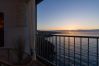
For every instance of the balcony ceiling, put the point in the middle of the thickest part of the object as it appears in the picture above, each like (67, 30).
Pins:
(38, 1)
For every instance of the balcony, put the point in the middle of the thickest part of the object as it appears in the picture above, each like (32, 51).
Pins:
(56, 50)
(65, 50)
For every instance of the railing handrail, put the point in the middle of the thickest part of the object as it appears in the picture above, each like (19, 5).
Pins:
(75, 36)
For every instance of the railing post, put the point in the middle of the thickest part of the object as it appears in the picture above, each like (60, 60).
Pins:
(88, 51)
(68, 51)
(59, 48)
(80, 51)
(64, 51)
(97, 52)
(74, 51)
(56, 49)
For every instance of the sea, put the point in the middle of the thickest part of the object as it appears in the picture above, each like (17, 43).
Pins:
(85, 53)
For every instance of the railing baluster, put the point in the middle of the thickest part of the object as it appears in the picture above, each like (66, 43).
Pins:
(97, 52)
(68, 51)
(88, 51)
(74, 51)
(37, 45)
(56, 49)
(59, 48)
(48, 48)
(64, 51)
(53, 45)
(40, 46)
(80, 51)
(44, 45)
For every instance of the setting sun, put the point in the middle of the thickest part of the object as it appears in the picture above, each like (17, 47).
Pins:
(72, 27)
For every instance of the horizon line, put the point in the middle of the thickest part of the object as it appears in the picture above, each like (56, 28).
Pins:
(67, 29)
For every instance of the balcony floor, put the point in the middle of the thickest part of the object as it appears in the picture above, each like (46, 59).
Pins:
(34, 63)
(38, 63)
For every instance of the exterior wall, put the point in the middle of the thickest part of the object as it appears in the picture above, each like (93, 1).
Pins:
(8, 7)
(19, 23)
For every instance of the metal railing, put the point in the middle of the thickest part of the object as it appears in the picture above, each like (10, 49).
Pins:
(65, 50)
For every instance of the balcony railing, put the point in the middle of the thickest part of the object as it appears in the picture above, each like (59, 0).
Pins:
(64, 50)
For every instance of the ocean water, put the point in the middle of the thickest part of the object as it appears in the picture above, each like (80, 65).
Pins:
(81, 55)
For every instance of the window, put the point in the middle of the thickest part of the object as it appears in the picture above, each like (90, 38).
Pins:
(1, 29)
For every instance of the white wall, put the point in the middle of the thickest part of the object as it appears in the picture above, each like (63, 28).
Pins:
(8, 7)
(19, 23)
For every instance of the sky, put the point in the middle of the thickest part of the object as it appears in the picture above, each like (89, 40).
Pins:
(68, 15)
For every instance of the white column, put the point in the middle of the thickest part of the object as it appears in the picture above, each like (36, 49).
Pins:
(32, 26)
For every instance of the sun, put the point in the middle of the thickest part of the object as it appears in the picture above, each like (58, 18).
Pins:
(72, 27)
